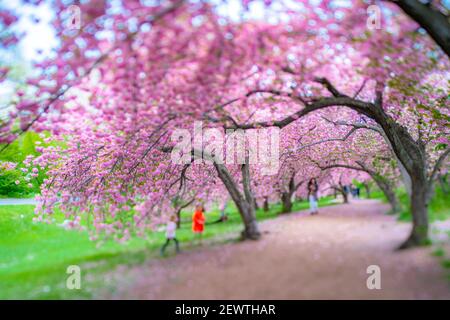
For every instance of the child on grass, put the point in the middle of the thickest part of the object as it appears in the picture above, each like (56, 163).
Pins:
(171, 228)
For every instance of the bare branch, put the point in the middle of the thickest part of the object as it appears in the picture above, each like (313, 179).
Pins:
(360, 89)
(357, 125)
(322, 141)
(279, 93)
(437, 166)
(327, 84)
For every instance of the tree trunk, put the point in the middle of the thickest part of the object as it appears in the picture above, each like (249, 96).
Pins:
(443, 183)
(392, 198)
(245, 203)
(251, 230)
(367, 188)
(266, 204)
(403, 172)
(405, 177)
(251, 227)
(178, 218)
(255, 204)
(344, 196)
(419, 211)
(433, 21)
(286, 200)
(389, 192)
(393, 202)
(412, 155)
(286, 197)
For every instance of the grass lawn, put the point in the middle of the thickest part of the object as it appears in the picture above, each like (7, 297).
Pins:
(34, 256)
(438, 209)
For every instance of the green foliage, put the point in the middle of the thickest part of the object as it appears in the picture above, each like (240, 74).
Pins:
(22, 147)
(16, 152)
(438, 209)
(375, 193)
(440, 146)
(446, 264)
(434, 112)
(8, 187)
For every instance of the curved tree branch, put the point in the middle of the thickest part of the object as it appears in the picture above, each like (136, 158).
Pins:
(433, 21)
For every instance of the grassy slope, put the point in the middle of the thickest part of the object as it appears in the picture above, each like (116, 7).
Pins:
(34, 257)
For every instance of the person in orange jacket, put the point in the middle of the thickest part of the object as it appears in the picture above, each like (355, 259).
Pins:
(198, 221)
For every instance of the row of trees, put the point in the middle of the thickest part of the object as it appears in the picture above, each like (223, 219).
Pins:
(351, 102)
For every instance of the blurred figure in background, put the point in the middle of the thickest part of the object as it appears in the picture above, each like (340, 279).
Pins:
(223, 214)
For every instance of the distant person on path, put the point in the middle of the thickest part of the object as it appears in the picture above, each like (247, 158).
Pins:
(171, 228)
(198, 221)
(346, 189)
(223, 207)
(313, 189)
(223, 216)
(353, 191)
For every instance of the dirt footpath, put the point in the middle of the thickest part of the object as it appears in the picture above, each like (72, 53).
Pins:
(299, 257)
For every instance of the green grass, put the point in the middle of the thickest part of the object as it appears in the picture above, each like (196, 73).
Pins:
(442, 256)
(444, 260)
(438, 209)
(438, 252)
(446, 264)
(34, 256)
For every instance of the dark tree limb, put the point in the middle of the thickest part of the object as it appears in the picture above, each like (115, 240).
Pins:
(433, 21)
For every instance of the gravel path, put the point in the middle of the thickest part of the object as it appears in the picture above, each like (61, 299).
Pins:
(299, 257)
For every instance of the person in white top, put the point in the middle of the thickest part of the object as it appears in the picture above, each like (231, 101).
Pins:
(171, 228)
(313, 195)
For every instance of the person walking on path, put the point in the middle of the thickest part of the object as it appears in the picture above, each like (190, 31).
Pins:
(223, 215)
(313, 189)
(171, 228)
(198, 222)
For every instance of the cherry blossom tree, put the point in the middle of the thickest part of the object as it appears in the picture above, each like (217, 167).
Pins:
(365, 153)
(118, 87)
(394, 87)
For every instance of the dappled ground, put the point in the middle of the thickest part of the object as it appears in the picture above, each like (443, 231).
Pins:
(299, 257)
